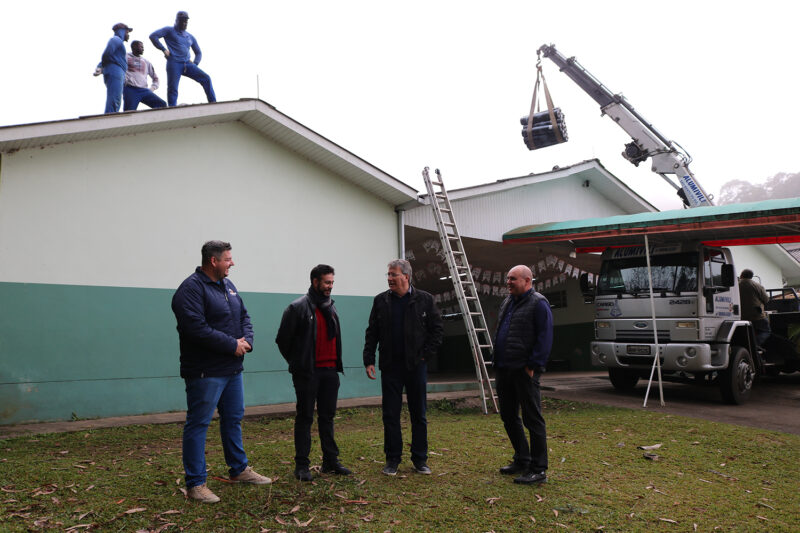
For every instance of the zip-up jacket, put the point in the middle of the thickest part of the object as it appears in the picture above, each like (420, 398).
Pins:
(211, 317)
(297, 336)
(529, 337)
(422, 328)
(115, 53)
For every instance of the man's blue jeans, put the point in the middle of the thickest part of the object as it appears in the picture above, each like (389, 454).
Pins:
(203, 395)
(176, 69)
(415, 381)
(134, 95)
(114, 78)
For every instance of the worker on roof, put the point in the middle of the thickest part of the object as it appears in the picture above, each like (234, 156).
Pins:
(113, 65)
(179, 63)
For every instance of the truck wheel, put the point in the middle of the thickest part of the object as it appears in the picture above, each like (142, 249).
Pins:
(737, 379)
(623, 378)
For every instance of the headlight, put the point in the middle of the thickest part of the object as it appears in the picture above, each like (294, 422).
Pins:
(602, 324)
(690, 325)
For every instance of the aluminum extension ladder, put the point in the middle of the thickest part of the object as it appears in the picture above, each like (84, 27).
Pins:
(480, 339)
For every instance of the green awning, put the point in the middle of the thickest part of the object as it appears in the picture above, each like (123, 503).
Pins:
(767, 222)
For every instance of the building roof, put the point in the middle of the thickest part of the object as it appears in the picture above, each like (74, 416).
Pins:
(592, 170)
(756, 223)
(256, 114)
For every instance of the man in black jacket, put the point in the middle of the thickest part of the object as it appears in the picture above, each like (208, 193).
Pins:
(309, 338)
(407, 327)
(522, 346)
(215, 332)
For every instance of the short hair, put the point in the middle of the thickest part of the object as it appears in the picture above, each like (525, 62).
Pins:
(403, 265)
(134, 42)
(747, 273)
(321, 270)
(213, 249)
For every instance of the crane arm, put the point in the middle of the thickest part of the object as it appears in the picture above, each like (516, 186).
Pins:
(667, 157)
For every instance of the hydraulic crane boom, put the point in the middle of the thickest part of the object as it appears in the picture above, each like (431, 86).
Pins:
(667, 156)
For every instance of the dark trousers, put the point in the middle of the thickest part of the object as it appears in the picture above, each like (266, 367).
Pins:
(516, 390)
(415, 381)
(176, 69)
(131, 96)
(320, 388)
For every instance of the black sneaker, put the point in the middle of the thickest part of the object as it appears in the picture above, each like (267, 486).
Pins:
(531, 478)
(390, 469)
(303, 474)
(513, 468)
(422, 468)
(335, 468)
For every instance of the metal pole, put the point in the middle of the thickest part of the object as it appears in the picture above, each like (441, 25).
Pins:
(656, 360)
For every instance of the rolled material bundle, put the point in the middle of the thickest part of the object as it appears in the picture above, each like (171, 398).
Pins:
(543, 133)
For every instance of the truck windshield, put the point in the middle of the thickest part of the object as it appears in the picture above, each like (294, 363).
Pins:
(675, 273)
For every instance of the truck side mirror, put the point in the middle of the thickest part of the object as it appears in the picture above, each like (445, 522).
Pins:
(727, 275)
(586, 288)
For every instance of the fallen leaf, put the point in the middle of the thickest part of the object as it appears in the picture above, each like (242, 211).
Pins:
(172, 511)
(357, 502)
(90, 487)
(762, 517)
(135, 510)
(368, 518)
(651, 447)
(532, 519)
(762, 504)
(555, 512)
(538, 498)
(294, 509)
(282, 522)
(671, 521)
(78, 526)
(493, 499)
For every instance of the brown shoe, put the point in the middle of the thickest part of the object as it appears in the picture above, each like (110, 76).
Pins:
(249, 475)
(202, 494)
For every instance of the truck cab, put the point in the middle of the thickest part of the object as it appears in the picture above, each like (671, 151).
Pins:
(700, 336)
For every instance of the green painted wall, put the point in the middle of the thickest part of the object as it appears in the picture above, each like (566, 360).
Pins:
(110, 351)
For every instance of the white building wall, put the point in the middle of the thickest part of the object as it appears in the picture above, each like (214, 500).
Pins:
(490, 215)
(221, 181)
(765, 271)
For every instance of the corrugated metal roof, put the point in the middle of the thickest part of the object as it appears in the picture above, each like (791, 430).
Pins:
(771, 219)
(256, 114)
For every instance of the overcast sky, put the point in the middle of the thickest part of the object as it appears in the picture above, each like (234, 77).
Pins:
(409, 84)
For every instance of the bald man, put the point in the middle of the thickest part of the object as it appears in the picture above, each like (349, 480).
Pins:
(522, 346)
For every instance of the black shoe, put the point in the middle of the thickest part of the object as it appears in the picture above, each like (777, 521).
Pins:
(513, 468)
(335, 468)
(390, 469)
(422, 468)
(303, 474)
(531, 478)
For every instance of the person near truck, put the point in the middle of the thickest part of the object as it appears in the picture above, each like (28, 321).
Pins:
(753, 298)
(523, 340)
(310, 340)
(179, 63)
(215, 333)
(406, 327)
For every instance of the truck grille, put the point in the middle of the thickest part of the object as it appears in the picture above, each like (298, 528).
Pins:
(642, 336)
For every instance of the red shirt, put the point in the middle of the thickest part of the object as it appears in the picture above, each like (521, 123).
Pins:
(325, 350)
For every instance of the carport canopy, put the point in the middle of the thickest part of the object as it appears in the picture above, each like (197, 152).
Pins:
(756, 223)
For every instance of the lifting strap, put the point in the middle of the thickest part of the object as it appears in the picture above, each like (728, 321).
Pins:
(535, 105)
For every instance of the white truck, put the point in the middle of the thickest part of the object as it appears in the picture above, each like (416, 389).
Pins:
(700, 334)
(701, 337)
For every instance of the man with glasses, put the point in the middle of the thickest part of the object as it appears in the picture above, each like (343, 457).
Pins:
(406, 328)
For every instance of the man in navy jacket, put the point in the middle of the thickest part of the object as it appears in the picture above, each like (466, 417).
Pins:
(522, 346)
(215, 332)
(179, 42)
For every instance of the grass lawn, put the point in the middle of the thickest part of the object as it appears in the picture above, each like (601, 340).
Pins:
(707, 476)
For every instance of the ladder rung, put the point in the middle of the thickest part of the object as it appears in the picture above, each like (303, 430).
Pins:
(439, 183)
(480, 329)
(484, 346)
(449, 224)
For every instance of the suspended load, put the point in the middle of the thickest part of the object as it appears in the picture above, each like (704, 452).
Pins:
(543, 133)
(543, 128)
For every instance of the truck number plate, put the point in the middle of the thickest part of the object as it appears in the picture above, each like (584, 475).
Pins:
(638, 349)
